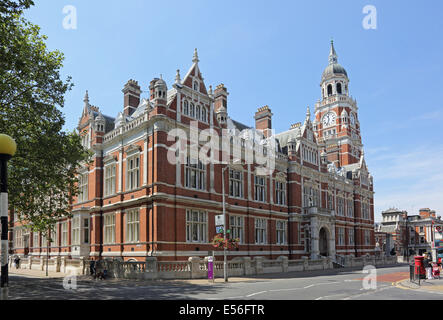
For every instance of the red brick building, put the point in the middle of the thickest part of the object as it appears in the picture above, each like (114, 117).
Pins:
(135, 203)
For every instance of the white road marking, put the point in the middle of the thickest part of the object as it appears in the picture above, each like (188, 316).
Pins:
(254, 294)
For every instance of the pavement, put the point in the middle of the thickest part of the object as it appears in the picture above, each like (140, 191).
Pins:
(426, 285)
(36, 273)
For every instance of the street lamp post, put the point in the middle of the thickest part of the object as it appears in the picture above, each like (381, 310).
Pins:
(7, 150)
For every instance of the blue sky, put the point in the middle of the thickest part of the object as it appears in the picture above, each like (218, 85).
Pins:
(273, 53)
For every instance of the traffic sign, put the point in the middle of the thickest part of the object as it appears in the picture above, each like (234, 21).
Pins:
(219, 221)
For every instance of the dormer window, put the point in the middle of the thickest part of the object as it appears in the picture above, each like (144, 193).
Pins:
(196, 86)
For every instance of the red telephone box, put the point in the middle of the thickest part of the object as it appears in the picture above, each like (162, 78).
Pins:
(419, 267)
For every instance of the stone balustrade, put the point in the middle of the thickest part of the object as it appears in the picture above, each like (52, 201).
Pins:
(197, 268)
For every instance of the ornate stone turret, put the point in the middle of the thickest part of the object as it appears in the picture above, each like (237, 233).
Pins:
(159, 91)
(100, 123)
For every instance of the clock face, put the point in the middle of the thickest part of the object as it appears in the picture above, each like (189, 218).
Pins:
(329, 119)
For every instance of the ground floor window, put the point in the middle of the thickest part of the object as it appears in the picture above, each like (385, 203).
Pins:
(109, 226)
(132, 226)
(196, 226)
(64, 238)
(236, 227)
(260, 231)
(281, 232)
(367, 237)
(341, 236)
(351, 236)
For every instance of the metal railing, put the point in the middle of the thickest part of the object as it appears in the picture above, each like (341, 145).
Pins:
(415, 273)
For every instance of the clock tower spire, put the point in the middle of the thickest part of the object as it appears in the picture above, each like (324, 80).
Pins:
(336, 119)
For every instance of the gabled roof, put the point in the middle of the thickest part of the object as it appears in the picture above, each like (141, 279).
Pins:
(194, 72)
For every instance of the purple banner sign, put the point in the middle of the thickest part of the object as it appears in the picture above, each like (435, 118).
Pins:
(210, 268)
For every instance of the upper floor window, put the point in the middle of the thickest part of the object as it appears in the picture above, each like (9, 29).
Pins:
(350, 208)
(330, 201)
(196, 86)
(235, 183)
(204, 115)
(195, 174)
(260, 194)
(365, 210)
(280, 192)
(86, 141)
(340, 206)
(83, 187)
(110, 171)
(185, 107)
(311, 197)
(133, 170)
(197, 112)
(192, 110)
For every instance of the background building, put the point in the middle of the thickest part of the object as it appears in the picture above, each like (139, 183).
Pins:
(410, 234)
(135, 203)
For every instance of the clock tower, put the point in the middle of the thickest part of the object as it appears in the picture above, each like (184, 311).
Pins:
(336, 122)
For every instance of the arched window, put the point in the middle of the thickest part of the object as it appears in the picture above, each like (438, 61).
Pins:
(339, 88)
(204, 114)
(197, 112)
(185, 107)
(196, 86)
(329, 90)
(192, 111)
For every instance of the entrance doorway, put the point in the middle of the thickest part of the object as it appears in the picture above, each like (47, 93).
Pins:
(323, 242)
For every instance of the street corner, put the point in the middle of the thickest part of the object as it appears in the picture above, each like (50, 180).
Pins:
(406, 284)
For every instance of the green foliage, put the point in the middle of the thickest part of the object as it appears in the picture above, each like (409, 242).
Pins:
(42, 173)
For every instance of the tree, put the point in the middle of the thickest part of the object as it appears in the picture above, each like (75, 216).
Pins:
(42, 181)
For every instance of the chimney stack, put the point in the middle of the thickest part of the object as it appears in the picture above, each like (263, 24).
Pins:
(263, 120)
(220, 97)
(131, 92)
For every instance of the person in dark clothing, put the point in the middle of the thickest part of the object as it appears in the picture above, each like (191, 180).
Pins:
(92, 268)
(17, 262)
(427, 265)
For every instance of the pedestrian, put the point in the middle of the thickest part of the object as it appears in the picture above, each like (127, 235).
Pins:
(428, 267)
(17, 262)
(92, 269)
